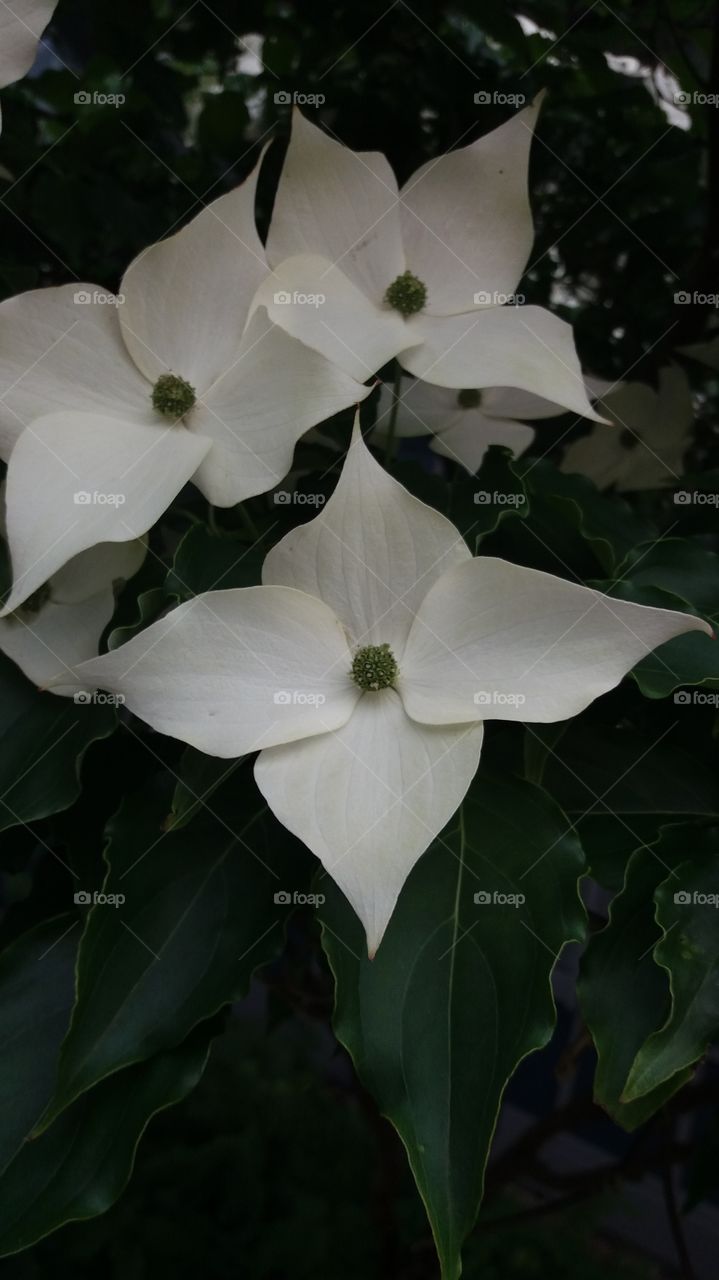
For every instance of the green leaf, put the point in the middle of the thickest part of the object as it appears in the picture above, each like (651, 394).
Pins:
(150, 605)
(207, 561)
(198, 777)
(620, 770)
(43, 738)
(195, 916)
(459, 993)
(691, 659)
(678, 566)
(79, 1166)
(605, 521)
(623, 993)
(687, 912)
(37, 989)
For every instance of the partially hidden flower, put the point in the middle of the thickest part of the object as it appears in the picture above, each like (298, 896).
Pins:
(364, 272)
(647, 434)
(21, 26)
(362, 670)
(463, 423)
(109, 405)
(62, 623)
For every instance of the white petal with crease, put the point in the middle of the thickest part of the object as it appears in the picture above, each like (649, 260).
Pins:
(466, 220)
(339, 203)
(232, 671)
(275, 390)
(370, 798)
(76, 479)
(493, 640)
(372, 553)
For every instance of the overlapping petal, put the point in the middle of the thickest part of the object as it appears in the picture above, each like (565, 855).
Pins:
(274, 390)
(21, 26)
(76, 479)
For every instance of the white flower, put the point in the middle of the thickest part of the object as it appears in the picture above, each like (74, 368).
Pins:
(463, 423)
(705, 352)
(647, 435)
(420, 273)
(362, 670)
(22, 23)
(61, 625)
(125, 401)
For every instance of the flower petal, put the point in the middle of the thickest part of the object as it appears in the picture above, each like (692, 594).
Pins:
(187, 298)
(76, 479)
(524, 347)
(493, 640)
(370, 798)
(423, 409)
(317, 303)
(339, 203)
(371, 554)
(469, 435)
(47, 645)
(466, 220)
(510, 402)
(233, 671)
(91, 570)
(276, 389)
(21, 26)
(60, 353)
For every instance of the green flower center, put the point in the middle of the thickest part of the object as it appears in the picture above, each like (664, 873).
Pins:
(468, 399)
(374, 667)
(172, 396)
(406, 294)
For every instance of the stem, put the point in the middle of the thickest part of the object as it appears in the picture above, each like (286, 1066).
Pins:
(247, 521)
(391, 429)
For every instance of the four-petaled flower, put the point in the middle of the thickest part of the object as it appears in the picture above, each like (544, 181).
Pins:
(168, 382)
(423, 273)
(363, 668)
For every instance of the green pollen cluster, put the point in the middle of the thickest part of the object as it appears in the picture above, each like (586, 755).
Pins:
(374, 667)
(406, 294)
(468, 399)
(172, 396)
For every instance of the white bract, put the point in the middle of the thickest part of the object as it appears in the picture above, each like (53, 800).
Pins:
(22, 23)
(108, 407)
(647, 434)
(363, 668)
(464, 423)
(422, 273)
(61, 625)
